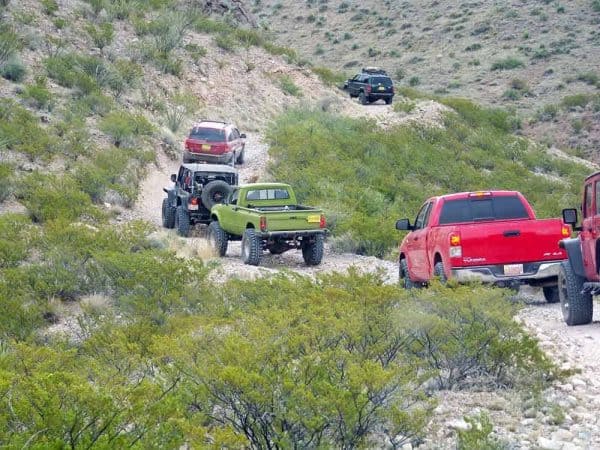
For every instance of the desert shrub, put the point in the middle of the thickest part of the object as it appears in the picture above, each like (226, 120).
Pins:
(16, 235)
(473, 47)
(589, 78)
(50, 7)
(180, 106)
(50, 197)
(6, 181)
(37, 95)
(479, 435)
(196, 51)
(92, 103)
(507, 64)
(328, 76)
(225, 42)
(596, 5)
(102, 35)
(288, 86)
(20, 131)
(512, 94)
(125, 128)
(414, 81)
(9, 43)
(74, 136)
(404, 106)
(13, 69)
(547, 113)
(574, 101)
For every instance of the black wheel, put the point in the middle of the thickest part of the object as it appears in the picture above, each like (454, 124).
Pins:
(312, 252)
(240, 157)
(577, 308)
(407, 283)
(168, 214)
(217, 238)
(363, 98)
(551, 294)
(182, 222)
(438, 271)
(214, 192)
(251, 250)
(388, 101)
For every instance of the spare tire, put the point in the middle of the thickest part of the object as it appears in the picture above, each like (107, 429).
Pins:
(214, 192)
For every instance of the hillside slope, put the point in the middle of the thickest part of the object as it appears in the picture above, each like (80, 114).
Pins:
(528, 55)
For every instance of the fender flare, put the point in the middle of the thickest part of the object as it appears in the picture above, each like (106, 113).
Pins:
(573, 248)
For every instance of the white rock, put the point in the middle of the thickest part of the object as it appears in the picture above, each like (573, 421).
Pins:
(562, 435)
(567, 387)
(458, 424)
(577, 383)
(549, 444)
(571, 446)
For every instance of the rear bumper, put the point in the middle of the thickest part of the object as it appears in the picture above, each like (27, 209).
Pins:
(535, 274)
(208, 157)
(291, 235)
(377, 95)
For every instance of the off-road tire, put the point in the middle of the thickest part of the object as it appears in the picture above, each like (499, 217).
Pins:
(214, 192)
(240, 158)
(438, 271)
(251, 250)
(312, 252)
(577, 308)
(363, 98)
(168, 214)
(388, 101)
(218, 238)
(551, 294)
(405, 280)
(182, 222)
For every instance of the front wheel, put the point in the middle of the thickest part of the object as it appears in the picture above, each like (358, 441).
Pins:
(363, 98)
(577, 307)
(407, 283)
(168, 214)
(182, 222)
(551, 294)
(313, 252)
(217, 238)
(251, 250)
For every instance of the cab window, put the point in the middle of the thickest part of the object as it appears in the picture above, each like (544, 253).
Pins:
(588, 201)
(423, 216)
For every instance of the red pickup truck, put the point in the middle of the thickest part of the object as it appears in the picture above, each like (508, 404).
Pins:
(490, 236)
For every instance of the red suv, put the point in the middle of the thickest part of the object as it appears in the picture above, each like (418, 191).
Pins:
(214, 142)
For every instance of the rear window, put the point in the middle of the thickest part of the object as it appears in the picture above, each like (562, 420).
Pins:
(381, 80)
(208, 134)
(473, 210)
(267, 194)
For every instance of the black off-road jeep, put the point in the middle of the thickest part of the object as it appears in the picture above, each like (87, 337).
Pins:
(370, 85)
(197, 188)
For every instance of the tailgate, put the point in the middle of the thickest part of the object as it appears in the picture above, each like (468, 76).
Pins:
(293, 220)
(513, 241)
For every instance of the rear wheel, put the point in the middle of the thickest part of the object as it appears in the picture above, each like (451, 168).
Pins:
(217, 238)
(168, 214)
(577, 308)
(405, 280)
(551, 294)
(388, 101)
(312, 252)
(251, 250)
(182, 222)
(240, 157)
(438, 271)
(363, 98)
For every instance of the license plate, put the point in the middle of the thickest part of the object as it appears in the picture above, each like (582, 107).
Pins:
(206, 147)
(314, 218)
(513, 269)
(381, 88)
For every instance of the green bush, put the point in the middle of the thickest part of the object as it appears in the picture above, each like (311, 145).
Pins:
(125, 128)
(225, 42)
(101, 35)
(328, 76)
(37, 95)
(50, 197)
(6, 180)
(596, 5)
(13, 69)
(288, 86)
(574, 101)
(50, 7)
(589, 78)
(479, 435)
(507, 64)
(9, 43)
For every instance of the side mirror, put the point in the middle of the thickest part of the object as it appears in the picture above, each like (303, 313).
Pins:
(570, 216)
(173, 177)
(404, 225)
(243, 135)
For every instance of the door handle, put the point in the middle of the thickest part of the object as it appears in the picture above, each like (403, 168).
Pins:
(512, 233)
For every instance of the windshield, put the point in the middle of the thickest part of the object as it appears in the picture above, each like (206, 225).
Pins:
(471, 210)
(208, 134)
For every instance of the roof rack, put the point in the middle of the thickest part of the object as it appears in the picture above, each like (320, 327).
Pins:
(374, 70)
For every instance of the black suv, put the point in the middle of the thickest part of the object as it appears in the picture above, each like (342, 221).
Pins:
(198, 187)
(370, 85)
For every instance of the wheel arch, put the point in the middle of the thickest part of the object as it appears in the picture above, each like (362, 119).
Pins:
(573, 248)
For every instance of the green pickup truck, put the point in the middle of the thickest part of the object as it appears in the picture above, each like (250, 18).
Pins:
(266, 216)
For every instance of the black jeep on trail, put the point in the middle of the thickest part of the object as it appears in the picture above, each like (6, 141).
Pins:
(370, 85)
(197, 188)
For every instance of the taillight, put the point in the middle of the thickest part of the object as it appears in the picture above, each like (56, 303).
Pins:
(322, 223)
(194, 201)
(263, 223)
(368, 88)
(455, 247)
(565, 231)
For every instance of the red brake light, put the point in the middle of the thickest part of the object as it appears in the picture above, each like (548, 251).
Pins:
(194, 201)
(480, 194)
(322, 222)
(263, 223)
(368, 88)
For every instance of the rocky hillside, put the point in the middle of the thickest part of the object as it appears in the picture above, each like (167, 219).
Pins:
(539, 58)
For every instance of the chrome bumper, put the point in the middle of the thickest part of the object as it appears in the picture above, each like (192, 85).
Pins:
(486, 275)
